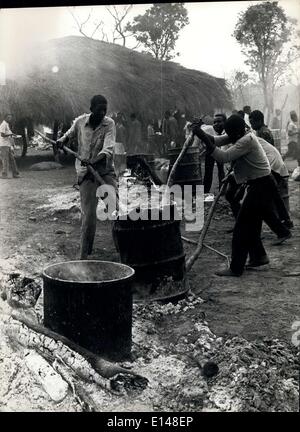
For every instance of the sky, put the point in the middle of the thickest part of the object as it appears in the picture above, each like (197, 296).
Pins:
(205, 44)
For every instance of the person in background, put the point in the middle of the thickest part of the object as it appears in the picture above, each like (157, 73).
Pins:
(281, 175)
(7, 148)
(180, 118)
(169, 129)
(242, 115)
(293, 136)
(156, 126)
(134, 135)
(250, 166)
(257, 122)
(276, 122)
(151, 137)
(121, 131)
(247, 112)
(235, 193)
(216, 129)
(96, 136)
(173, 129)
(187, 128)
(208, 119)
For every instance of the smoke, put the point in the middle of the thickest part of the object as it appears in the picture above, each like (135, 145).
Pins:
(22, 29)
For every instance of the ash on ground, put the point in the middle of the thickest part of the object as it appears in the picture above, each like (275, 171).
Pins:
(251, 376)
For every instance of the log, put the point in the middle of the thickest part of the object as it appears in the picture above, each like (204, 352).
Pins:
(22, 335)
(50, 380)
(105, 368)
(80, 395)
(86, 364)
(70, 377)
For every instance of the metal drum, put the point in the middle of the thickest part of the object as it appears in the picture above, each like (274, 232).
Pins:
(189, 169)
(154, 249)
(90, 302)
(134, 158)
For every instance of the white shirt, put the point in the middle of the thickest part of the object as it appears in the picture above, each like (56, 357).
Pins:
(5, 141)
(292, 129)
(246, 119)
(92, 143)
(274, 158)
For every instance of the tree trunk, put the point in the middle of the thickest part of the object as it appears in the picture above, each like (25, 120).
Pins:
(269, 102)
(242, 95)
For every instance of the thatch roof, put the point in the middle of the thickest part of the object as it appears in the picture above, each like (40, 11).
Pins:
(131, 81)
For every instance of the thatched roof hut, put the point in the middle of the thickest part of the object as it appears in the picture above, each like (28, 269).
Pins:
(63, 74)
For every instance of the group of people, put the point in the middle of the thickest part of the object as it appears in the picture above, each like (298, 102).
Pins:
(129, 133)
(256, 187)
(256, 184)
(170, 129)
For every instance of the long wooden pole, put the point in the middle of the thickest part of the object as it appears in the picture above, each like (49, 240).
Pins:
(195, 255)
(68, 150)
(185, 146)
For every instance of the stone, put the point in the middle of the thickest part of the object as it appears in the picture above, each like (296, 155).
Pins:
(59, 231)
(45, 166)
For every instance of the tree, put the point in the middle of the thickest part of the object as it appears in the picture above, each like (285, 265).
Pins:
(119, 15)
(264, 32)
(93, 27)
(294, 71)
(87, 29)
(158, 29)
(237, 85)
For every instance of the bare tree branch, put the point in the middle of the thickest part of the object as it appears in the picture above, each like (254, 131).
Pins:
(98, 25)
(79, 25)
(101, 23)
(119, 17)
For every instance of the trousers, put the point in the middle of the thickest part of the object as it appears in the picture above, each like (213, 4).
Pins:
(8, 161)
(281, 203)
(234, 194)
(258, 206)
(89, 200)
(208, 173)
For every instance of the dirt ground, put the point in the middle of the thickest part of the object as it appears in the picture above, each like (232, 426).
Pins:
(219, 320)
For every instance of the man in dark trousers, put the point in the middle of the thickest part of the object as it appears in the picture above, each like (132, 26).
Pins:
(252, 166)
(216, 129)
(96, 136)
(257, 122)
